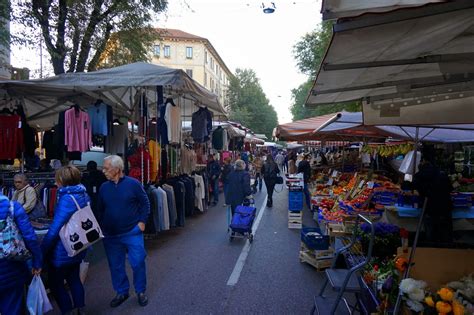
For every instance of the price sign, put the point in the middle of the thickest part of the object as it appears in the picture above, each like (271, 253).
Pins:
(330, 182)
(370, 185)
(334, 173)
(362, 182)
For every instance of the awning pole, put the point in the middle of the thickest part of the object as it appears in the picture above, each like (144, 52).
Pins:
(417, 140)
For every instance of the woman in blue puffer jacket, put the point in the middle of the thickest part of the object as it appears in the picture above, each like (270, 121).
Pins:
(61, 266)
(14, 274)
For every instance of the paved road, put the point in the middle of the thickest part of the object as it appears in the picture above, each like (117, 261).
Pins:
(188, 269)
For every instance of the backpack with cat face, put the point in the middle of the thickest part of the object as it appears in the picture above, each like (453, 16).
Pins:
(81, 231)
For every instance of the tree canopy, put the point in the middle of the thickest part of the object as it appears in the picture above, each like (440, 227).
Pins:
(76, 33)
(249, 104)
(309, 53)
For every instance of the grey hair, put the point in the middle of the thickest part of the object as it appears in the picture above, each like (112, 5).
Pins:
(239, 165)
(21, 176)
(115, 161)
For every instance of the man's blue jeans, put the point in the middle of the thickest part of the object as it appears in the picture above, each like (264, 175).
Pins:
(307, 196)
(116, 248)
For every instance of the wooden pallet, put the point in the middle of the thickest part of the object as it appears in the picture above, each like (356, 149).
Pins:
(319, 264)
(295, 220)
(318, 254)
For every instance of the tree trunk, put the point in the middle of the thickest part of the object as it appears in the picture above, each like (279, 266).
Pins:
(95, 60)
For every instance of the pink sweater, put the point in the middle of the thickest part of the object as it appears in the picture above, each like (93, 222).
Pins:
(77, 130)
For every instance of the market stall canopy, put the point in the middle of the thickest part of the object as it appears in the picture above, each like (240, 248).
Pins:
(253, 139)
(44, 98)
(261, 136)
(345, 123)
(334, 9)
(410, 66)
(292, 146)
(270, 144)
(301, 129)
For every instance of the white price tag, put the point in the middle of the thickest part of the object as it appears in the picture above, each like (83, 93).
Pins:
(330, 181)
(362, 182)
(94, 189)
(334, 173)
(370, 185)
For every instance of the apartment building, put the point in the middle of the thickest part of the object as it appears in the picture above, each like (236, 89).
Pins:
(195, 55)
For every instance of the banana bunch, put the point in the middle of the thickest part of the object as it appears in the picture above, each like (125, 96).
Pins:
(387, 151)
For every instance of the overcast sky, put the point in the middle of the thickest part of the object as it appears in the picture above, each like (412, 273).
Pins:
(244, 37)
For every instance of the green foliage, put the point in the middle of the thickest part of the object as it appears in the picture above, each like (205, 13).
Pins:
(309, 53)
(76, 33)
(248, 103)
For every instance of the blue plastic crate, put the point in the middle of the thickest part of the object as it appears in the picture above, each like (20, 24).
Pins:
(313, 238)
(295, 201)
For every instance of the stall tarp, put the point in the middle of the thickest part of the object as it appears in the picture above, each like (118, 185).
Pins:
(301, 129)
(346, 123)
(233, 131)
(334, 9)
(406, 65)
(253, 139)
(119, 86)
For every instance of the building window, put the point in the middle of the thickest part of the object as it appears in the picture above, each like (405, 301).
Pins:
(189, 72)
(167, 51)
(156, 50)
(189, 53)
(205, 79)
(205, 57)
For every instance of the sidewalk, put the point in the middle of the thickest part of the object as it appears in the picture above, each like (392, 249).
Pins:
(188, 269)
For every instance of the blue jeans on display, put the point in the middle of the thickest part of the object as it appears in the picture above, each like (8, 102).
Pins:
(11, 300)
(307, 196)
(116, 248)
(215, 190)
(70, 273)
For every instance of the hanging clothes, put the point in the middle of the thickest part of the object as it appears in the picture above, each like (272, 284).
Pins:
(78, 134)
(173, 121)
(98, 118)
(188, 160)
(155, 157)
(11, 137)
(201, 125)
(171, 204)
(116, 143)
(218, 138)
(135, 161)
(199, 192)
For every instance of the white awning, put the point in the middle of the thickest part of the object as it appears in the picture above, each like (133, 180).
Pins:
(412, 66)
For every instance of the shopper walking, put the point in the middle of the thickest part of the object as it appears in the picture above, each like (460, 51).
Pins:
(258, 163)
(270, 173)
(280, 160)
(24, 193)
(226, 170)
(123, 211)
(14, 274)
(214, 170)
(305, 168)
(239, 185)
(63, 268)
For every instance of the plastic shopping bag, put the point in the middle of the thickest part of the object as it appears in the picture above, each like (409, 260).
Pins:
(37, 300)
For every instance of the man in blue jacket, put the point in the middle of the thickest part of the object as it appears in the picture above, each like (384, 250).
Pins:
(14, 274)
(123, 210)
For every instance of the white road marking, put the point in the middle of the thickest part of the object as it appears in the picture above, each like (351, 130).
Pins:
(239, 265)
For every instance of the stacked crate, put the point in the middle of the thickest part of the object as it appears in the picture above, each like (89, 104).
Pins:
(295, 208)
(315, 249)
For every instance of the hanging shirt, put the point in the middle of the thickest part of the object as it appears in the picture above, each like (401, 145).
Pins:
(116, 143)
(78, 135)
(11, 137)
(155, 159)
(98, 119)
(173, 122)
(199, 130)
(218, 138)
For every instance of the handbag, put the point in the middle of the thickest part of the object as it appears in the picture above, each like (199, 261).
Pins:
(12, 245)
(81, 231)
(279, 180)
(38, 211)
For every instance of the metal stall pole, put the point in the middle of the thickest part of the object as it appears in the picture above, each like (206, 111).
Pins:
(141, 122)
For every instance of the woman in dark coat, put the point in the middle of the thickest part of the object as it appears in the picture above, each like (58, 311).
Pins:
(270, 173)
(62, 267)
(14, 274)
(238, 185)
